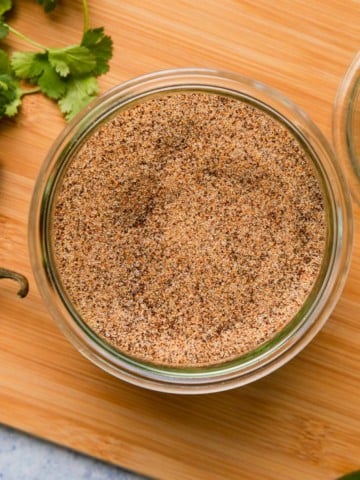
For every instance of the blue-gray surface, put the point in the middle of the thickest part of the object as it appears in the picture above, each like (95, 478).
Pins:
(23, 457)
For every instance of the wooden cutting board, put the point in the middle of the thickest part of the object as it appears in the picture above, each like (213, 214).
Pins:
(302, 422)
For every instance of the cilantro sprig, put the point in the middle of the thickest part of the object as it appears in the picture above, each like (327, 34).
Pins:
(67, 75)
(10, 92)
(48, 5)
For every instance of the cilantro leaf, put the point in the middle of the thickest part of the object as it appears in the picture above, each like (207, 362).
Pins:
(48, 5)
(35, 68)
(79, 92)
(13, 107)
(4, 62)
(10, 95)
(351, 476)
(75, 60)
(4, 29)
(27, 65)
(101, 46)
(5, 5)
(51, 83)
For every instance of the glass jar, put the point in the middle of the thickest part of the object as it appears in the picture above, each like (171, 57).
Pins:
(346, 125)
(269, 356)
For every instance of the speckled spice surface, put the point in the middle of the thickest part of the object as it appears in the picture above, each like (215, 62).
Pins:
(189, 230)
(23, 457)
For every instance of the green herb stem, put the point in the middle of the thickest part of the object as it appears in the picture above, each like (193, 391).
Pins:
(22, 281)
(30, 91)
(86, 15)
(25, 38)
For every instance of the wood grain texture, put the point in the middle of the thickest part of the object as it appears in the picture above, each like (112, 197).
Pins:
(302, 422)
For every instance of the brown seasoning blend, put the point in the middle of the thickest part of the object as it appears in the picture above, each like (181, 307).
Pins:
(189, 229)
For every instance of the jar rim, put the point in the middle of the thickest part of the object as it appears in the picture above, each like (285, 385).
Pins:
(165, 379)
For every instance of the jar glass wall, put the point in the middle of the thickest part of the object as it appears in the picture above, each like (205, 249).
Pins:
(346, 125)
(285, 344)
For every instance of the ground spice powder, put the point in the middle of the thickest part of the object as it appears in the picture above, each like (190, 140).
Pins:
(189, 229)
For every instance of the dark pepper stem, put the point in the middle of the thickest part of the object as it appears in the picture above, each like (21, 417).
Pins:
(22, 281)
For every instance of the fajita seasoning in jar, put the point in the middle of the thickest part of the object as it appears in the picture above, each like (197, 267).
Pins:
(195, 231)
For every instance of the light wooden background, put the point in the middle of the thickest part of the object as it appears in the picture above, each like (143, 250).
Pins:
(302, 422)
